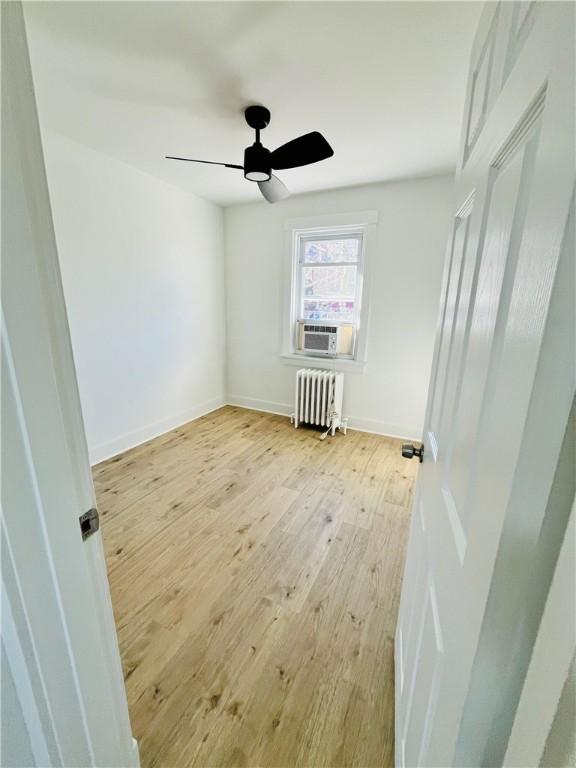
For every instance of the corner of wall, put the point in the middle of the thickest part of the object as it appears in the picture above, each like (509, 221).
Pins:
(225, 216)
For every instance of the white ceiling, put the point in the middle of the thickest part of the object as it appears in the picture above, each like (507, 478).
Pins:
(383, 81)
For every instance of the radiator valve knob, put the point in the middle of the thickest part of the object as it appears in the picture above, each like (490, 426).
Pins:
(409, 451)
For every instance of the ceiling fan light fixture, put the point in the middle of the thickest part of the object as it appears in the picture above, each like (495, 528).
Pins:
(259, 161)
(257, 166)
(257, 175)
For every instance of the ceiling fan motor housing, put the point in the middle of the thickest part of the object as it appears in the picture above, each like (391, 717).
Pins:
(257, 117)
(257, 163)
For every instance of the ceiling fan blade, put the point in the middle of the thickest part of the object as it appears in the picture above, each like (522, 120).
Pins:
(274, 190)
(310, 148)
(207, 162)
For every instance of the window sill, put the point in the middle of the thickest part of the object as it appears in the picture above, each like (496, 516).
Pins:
(328, 363)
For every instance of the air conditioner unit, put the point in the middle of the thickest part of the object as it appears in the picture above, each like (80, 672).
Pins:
(320, 339)
(305, 341)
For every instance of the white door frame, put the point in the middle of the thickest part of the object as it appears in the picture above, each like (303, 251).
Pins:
(58, 633)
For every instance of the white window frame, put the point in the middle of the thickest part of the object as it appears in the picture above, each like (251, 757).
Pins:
(296, 230)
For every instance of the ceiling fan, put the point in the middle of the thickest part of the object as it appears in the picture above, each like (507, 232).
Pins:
(259, 162)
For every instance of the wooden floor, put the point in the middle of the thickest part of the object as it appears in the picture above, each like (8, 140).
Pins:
(255, 575)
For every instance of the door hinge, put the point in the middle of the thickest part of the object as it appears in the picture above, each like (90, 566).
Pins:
(89, 523)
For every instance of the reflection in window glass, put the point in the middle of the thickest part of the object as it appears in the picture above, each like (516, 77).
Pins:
(329, 275)
(329, 282)
(331, 251)
(332, 311)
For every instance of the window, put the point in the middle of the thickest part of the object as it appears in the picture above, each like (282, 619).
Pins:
(329, 277)
(327, 258)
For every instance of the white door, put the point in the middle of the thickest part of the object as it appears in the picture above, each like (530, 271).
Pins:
(544, 726)
(491, 501)
(63, 698)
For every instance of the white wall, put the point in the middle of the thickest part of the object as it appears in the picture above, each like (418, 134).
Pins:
(151, 298)
(406, 269)
(143, 274)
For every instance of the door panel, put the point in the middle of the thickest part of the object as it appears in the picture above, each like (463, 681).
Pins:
(415, 582)
(451, 303)
(510, 186)
(459, 320)
(479, 104)
(521, 25)
(459, 313)
(426, 676)
(514, 188)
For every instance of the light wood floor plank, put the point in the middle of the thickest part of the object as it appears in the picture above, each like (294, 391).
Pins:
(255, 575)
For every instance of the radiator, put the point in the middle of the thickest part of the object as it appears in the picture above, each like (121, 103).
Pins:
(319, 399)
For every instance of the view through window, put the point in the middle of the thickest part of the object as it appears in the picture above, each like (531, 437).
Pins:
(329, 278)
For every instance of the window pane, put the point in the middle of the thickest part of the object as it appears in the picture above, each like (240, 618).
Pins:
(329, 282)
(342, 311)
(331, 251)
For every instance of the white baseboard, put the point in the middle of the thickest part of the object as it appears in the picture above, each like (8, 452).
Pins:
(131, 439)
(137, 437)
(399, 431)
(268, 406)
(386, 429)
